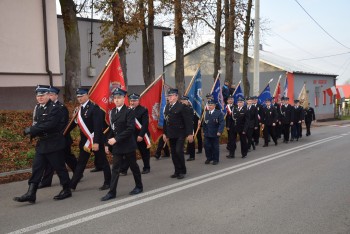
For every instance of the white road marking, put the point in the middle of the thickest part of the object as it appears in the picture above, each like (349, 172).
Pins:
(181, 186)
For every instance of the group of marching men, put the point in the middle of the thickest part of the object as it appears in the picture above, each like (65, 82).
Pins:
(128, 131)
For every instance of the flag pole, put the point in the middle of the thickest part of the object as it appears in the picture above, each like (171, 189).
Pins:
(115, 52)
(279, 79)
(236, 88)
(192, 80)
(150, 86)
(212, 89)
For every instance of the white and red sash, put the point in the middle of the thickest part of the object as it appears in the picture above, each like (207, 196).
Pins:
(87, 133)
(228, 109)
(146, 137)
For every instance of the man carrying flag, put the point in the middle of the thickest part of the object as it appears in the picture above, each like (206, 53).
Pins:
(90, 121)
(141, 133)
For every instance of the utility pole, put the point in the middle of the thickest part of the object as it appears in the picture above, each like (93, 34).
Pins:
(256, 48)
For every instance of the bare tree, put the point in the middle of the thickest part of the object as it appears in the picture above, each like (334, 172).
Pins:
(179, 44)
(230, 33)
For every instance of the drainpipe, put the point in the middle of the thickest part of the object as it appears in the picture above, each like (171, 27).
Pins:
(47, 64)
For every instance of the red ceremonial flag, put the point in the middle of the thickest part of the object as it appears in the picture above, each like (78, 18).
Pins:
(151, 99)
(278, 93)
(110, 78)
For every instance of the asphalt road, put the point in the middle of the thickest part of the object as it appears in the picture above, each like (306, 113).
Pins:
(300, 187)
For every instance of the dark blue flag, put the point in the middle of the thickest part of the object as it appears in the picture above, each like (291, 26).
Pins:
(265, 94)
(195, 94)
(238, 93)
(218, 98)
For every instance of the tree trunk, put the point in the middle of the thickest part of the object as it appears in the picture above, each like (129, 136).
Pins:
(245, 80)
(72, 56)
(231, 42)
(179, 44)
(217, 53)
(118, 23)
(151, 40)
(145, 50)
(227, 33)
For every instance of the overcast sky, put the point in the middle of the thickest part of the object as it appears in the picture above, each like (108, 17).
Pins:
(293, 34)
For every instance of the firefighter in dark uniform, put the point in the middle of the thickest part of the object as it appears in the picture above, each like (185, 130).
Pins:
(141, 132)
(69, 157)
(309, 116)
(122, 142)
(277, 106)
(287, 117)
(253, 122)
(90, 119)
(228, 118)
(48, 127)
(239, 126)
(298, 118)
(269, 119)
(177, 126)
(213, 126)
(191, 147)
(256, 134)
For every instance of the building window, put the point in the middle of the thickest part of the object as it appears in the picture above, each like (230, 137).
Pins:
(324, 98)
(317, 95)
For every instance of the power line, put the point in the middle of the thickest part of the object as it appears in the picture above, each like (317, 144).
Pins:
(326, 56)
(320, 25)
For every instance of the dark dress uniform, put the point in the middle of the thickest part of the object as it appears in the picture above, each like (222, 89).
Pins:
(69, 157)
(93, 118)
(228, 118)
(48, 128)
(309, 116)
(177, 126)
(213, 124)
(278, 127)
(162, 146)
(287, 117)
(191, 147)
(298, 117)
(122, 129)
(269, 119)
(256, 133)
(238, 125)
(141, 114)
(253, 125)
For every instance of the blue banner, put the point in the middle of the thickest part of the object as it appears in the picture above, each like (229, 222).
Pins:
(162, 106)
(195, 94)
(238, 93)
(265, 94)
(218, 98)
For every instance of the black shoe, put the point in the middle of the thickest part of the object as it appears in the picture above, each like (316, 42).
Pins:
(215, 162)
(253, 147)
(145, 171)
(29, 196)
(230, 156)
(135, 191)
(276, 143)
(157, 156)
(199, 152)
(265, 145)
(95, 170)
(104, 187)
(41, 185)
(190, 159)
(180, 176)
(123, 173)
(65, 193)
(108, 196)
(244, 156)
(174, 176)
(207, 161)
